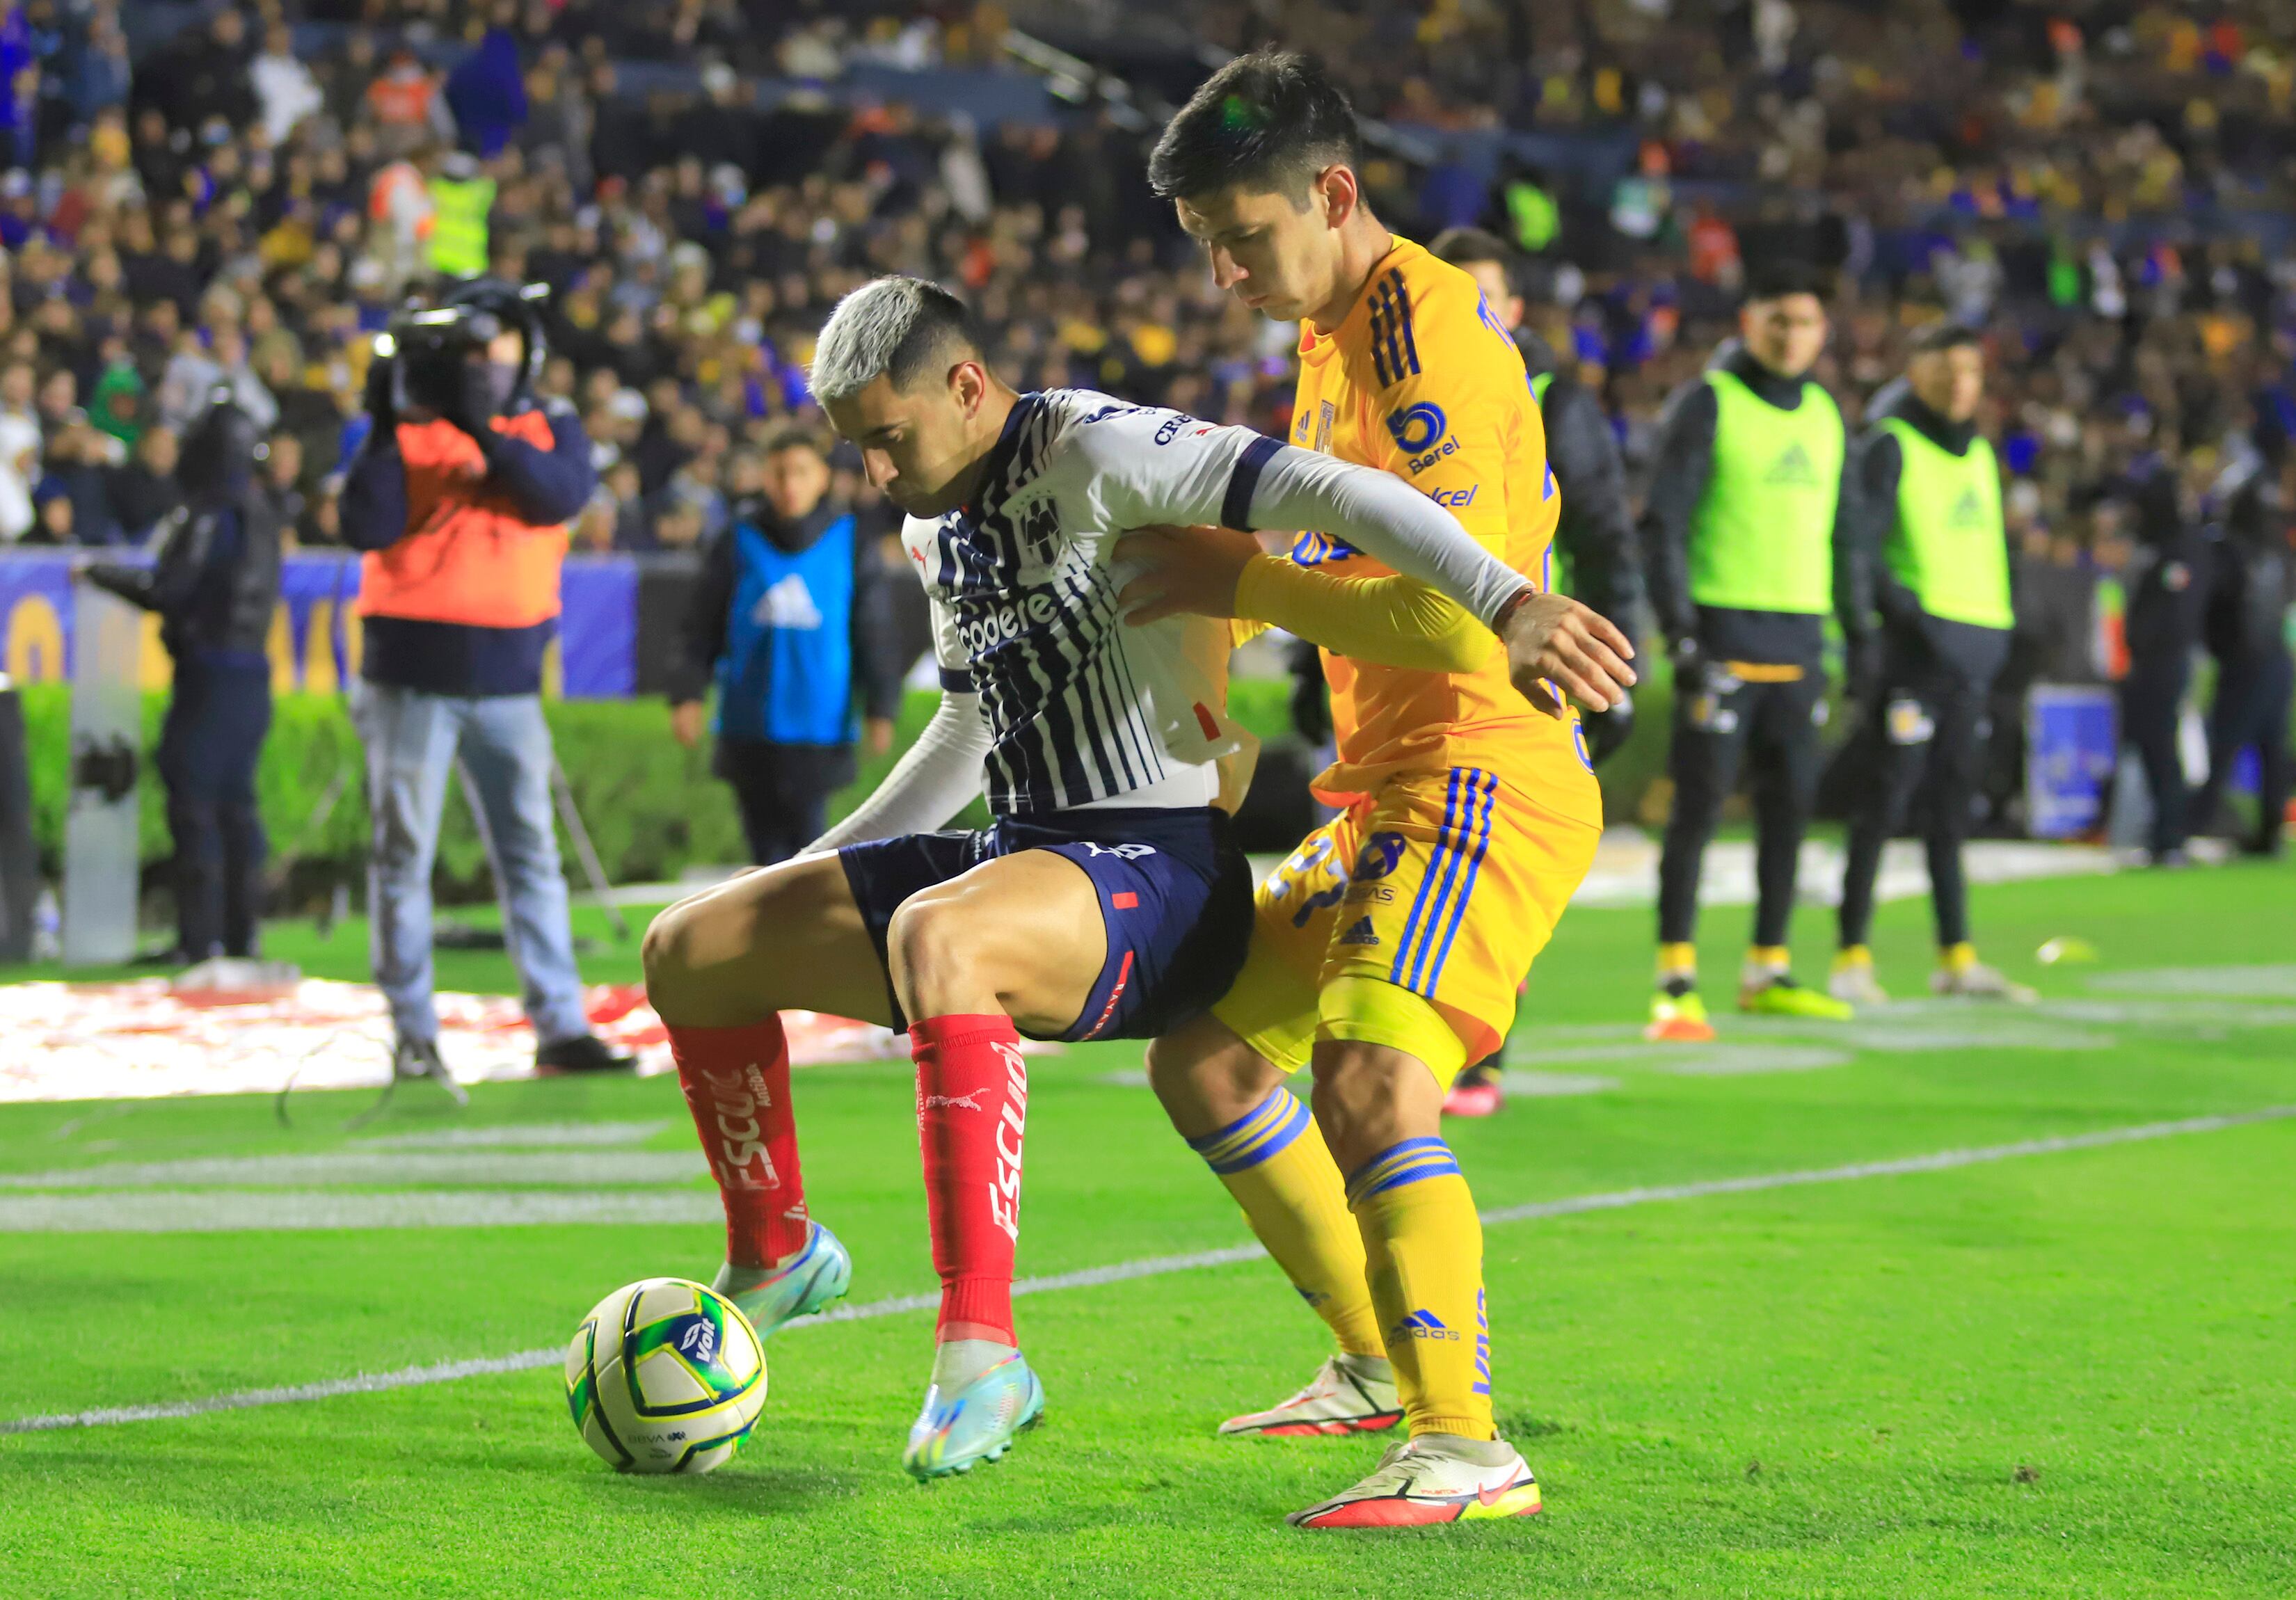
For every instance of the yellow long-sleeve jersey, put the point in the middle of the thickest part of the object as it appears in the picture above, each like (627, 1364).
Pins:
(1421, 380)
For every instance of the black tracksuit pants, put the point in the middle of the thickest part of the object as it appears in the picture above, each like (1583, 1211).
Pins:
(209, 747)
(1772, 729)
(784, 792)
(1930, 729)
(2251, 708)
(2150, 699)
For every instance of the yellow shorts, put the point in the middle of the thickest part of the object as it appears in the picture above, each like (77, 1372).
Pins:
(1442, 885)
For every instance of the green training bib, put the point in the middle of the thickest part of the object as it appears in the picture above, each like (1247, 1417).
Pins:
(1762, 537)
(1948, 542)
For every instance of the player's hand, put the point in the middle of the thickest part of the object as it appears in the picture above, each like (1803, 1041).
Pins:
(876, 735)
(686, 722)
(1552, 639)
(1182, 570)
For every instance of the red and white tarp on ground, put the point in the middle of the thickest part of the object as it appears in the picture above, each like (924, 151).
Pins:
(118, 1041)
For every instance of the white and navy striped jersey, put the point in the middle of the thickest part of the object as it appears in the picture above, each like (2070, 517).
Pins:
(1083, 710)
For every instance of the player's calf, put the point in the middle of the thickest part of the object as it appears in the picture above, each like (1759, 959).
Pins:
(719, 965)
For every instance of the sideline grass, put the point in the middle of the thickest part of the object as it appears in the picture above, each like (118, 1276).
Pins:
(2064, 1375)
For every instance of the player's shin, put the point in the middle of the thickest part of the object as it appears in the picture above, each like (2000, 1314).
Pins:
(1425, 1246)
(1275, 1163)
(736, 1082)
(972, 1102)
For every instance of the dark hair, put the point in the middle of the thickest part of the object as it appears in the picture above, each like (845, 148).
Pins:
(1774, 280)
(1944, 336)
(1470, 247)
(1270, 120)
(791, 436)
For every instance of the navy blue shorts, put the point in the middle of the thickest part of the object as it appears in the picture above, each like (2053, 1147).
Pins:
(1175, 895)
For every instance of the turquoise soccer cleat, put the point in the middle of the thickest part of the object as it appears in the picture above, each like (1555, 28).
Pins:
(977, 1422)
(774, 1297)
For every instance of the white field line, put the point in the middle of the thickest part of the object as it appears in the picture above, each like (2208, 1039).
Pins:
(443, 1371)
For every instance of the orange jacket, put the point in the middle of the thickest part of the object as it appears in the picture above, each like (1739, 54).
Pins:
(470, 558)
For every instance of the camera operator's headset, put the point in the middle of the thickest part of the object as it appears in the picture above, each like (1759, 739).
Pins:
(471, 314)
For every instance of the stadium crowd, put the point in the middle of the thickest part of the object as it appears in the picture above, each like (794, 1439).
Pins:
(248, 202)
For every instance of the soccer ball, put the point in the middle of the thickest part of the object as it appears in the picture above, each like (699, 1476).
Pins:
(665, 1376)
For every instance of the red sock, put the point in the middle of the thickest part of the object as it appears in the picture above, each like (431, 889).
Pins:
(737, 1086)
(972, 1107)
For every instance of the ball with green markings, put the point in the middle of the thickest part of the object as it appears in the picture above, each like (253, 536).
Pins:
(665, 1376)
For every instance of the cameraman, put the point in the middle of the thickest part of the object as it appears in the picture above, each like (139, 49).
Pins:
(460, 496)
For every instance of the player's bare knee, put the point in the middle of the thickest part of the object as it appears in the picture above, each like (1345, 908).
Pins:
(666, 952)
(1206, 1078)
(932, 954)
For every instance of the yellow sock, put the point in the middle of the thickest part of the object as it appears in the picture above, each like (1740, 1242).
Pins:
(1425, 1249)
(1853, 956)
(1276, 1164)
(1777, 958)
(1957, 958)
(1677, 961)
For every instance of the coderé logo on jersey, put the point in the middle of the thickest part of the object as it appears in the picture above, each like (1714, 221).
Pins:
(983, 630)
(1422, 432)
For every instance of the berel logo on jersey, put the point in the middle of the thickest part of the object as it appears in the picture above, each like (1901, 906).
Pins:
(1417, 427)
(1382, 854)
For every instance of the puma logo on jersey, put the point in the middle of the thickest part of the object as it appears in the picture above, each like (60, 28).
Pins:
(1968, 510)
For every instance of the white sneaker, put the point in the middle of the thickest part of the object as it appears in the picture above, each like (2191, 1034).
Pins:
(1435, 1478)
(1978, 982)
(1349, 1394)
(1855, 983)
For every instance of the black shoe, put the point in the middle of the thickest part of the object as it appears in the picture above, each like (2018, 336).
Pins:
(584, 1052)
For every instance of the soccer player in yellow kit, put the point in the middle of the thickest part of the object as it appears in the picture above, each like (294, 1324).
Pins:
(1387, 950)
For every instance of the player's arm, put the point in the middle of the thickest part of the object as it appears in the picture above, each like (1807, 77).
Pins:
(940, 774)
(1596, 533)
(1685, 456)
(1201, 479)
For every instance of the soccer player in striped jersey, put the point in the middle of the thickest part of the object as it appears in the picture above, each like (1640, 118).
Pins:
(1106, 901)
(1387, 948)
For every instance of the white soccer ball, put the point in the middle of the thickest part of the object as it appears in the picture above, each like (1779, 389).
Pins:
(665, 1376)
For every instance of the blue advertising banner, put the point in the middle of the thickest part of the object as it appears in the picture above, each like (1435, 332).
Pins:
(315, 634)
(2073, 736)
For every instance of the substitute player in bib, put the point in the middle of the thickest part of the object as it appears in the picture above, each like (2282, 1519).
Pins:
(1387, 949)
(1107, 901)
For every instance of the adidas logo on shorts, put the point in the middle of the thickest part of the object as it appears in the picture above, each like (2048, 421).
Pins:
(1360, 933)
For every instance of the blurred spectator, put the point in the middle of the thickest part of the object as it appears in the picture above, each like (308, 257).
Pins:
(284, 87)
(145, 490)
(20, 452)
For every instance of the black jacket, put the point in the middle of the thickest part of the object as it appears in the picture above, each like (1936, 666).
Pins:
(1684, 454)
(1915, 638)
(877, 664)
(1595, 534)
(2167, 579)
(216, 581)
(2252, 577)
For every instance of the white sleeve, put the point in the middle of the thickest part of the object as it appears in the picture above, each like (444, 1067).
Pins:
(1145, 465)
(932, 782)
(1382, 516)
(1151, 465)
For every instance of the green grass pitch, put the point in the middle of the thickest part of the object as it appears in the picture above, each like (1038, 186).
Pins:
(2070, 1373)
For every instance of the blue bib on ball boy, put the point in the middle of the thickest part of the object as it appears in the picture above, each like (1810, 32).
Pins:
(787, 674)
